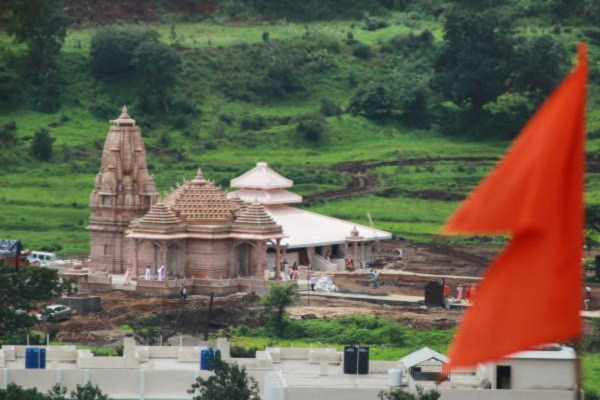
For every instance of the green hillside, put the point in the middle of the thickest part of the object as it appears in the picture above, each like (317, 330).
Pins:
(309, 93)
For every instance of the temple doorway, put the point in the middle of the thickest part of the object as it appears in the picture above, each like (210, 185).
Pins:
(241, 259)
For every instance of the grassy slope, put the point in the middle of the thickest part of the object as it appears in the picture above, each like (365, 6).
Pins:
(46, 204)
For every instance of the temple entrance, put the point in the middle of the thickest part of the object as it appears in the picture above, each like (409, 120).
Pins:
(175, 267)
(241, 259)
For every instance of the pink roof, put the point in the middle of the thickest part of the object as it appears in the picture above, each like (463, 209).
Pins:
(273, 196)
(306, 229)
(261, 177)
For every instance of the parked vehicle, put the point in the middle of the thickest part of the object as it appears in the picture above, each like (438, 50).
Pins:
(55, 313)
(42, 258)
(12, 251)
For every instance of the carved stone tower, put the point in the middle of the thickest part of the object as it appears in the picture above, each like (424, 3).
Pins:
(124, 191)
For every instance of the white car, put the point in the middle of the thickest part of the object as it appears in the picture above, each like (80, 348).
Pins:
(41, 258)
(55, 313)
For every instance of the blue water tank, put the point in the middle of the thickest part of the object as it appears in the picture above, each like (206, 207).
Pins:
(204, 359)
(35, 358)
(207, 359)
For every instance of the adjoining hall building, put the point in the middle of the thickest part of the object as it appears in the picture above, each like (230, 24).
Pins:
(200, 231)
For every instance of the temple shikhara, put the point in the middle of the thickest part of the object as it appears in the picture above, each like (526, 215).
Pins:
(200, 232)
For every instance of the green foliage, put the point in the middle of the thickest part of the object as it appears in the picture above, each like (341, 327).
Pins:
(347, 330)
(401, 394)
(20, 290)
(229, 381)
(312, 127)
(275, 302)
(473, 64)
(157, 65)
(147, 330)
(42, 25)
(543, 61)
(42, 145)
(362, 51)
(112, 48)
(401, 94)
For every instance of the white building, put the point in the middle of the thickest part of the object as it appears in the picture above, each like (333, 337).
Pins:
(160, 373)
(315, 239)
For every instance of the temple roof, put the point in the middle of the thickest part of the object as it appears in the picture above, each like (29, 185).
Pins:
(261, 177)
(160, 219)
(255, 220)
(201, 202)
(307, 229)
(124, 119)
(273, 196)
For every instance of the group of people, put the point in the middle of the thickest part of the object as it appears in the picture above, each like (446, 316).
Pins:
(159, 275)
(467, 294)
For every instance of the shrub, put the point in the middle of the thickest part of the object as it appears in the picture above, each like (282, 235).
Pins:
(312, 127)
(42, 145)
(329, 108)
(112, 48)
(252, 123)
(362, 51)
(373, 23)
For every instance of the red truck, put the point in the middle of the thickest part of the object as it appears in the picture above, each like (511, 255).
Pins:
(11, 250)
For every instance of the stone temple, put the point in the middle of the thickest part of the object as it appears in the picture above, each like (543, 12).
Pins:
(199, 231)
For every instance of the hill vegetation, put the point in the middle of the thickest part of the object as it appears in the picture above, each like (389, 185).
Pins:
(419, 97)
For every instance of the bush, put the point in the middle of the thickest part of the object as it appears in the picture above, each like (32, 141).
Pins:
(112, 48)
(373, 23)
(42, 145)
(362, 51)
(252, 123)
(329, 108)
(312, 127)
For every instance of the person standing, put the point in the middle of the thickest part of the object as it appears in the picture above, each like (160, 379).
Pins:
(459, 292)
(148, 275)
(296, 274)
(468, 294)
(446, 292)
(161, 273)
(127, 280)
(182, 293)
(313, 282)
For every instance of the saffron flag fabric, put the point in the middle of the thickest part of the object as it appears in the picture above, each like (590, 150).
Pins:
(531, 293)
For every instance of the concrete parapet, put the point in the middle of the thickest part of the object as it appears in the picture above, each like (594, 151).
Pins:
(275, 354)
(10, 353)
(189, 354)
(2, 360)
(329, 356)
(264, 360)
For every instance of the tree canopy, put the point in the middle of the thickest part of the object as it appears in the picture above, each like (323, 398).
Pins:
(228, 382)
(20, 290)
(474, 63)
(41, 24)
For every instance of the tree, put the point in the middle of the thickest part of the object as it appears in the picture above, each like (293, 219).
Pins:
(112, 48)
(228, 382)
(473, 65)
(275, 303)
(86, 392)
(20, 291)
(158, 65)
(42, 145)
(399, 394)
(41, 24)
(542, 62)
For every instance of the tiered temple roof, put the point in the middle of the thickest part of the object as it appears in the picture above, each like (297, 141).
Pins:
(201, 202)
(159, 220)
(264, 185)
(254, 222)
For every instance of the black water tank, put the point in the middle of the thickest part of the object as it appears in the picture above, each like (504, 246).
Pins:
(350, 366)
(363, 360)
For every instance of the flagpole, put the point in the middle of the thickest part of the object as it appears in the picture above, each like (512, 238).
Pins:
(578, 370)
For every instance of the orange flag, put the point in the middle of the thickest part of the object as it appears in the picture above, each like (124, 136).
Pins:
(531, 294)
